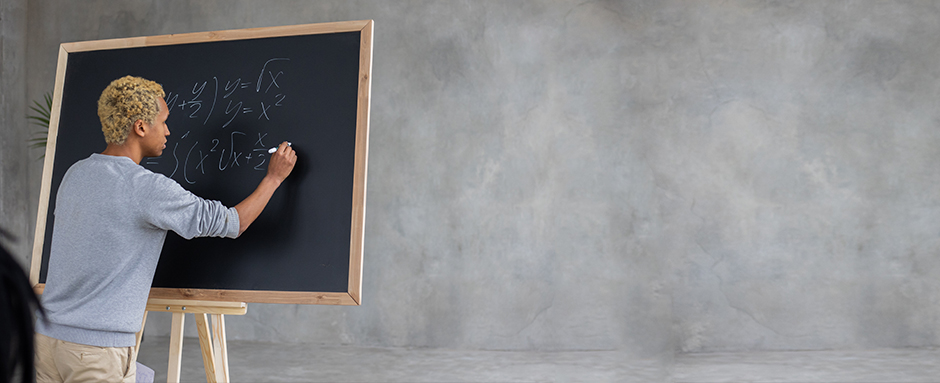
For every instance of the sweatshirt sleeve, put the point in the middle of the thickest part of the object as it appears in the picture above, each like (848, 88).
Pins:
(166, 205)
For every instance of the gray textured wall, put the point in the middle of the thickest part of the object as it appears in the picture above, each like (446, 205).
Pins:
(14, 132)
(644, 176)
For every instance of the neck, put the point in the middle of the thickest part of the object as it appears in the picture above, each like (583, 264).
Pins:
(125, 150)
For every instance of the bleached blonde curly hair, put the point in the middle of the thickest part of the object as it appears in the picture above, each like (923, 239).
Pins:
(125, 101)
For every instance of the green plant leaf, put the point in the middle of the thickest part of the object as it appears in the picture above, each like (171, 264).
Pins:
(42, 114)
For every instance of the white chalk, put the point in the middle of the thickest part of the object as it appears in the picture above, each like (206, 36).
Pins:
(274, 149)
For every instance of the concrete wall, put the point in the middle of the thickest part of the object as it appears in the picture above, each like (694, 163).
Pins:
(14, 131)
(644, 176)
(801, 141)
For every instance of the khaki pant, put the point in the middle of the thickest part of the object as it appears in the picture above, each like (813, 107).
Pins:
(61, 361)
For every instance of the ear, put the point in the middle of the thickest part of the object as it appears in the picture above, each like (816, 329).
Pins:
(138, 128)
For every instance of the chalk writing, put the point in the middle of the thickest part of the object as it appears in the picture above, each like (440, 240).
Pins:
(232, 136)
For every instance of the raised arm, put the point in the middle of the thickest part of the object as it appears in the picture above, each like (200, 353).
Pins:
(280, 166)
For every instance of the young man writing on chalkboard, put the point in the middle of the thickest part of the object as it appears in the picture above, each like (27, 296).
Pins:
(111, 218)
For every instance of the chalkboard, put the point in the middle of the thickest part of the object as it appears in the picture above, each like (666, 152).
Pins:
(232, 95)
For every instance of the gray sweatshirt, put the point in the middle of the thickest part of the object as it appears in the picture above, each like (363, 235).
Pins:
(111, 219)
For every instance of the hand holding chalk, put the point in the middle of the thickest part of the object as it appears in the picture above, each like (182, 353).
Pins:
(274, 149)
(282, 161)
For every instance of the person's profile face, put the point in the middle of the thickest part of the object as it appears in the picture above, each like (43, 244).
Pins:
(157, 132)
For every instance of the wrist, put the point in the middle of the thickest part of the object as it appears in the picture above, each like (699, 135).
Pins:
(270, 179)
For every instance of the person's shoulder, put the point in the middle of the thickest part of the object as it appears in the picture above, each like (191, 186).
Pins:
(146, 179)
(92, 165)
(87, 162)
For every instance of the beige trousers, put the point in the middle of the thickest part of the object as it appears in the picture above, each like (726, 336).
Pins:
(61, 361)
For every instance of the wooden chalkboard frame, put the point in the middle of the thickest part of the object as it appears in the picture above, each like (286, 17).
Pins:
(353, 295)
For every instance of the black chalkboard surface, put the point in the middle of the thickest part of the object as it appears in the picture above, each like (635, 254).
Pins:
(232, 95)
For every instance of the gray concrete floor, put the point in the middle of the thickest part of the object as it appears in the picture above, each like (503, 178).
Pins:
(850, 366)
(267, 362)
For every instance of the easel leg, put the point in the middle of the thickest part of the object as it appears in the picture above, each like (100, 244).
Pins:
(220, 346)
(176, 349)
(208, 353)
(212, 342)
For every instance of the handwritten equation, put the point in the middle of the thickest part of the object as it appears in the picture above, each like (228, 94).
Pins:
(224, 122)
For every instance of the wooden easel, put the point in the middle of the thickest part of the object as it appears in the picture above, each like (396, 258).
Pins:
(214, 348)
